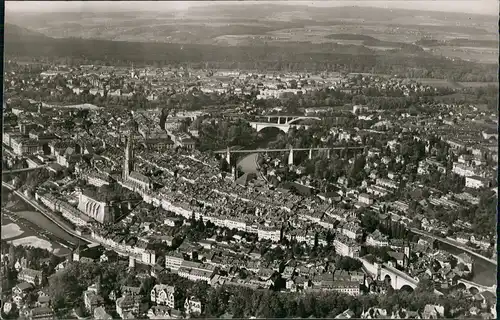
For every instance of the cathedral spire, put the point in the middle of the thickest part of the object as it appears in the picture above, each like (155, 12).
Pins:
(128, 164)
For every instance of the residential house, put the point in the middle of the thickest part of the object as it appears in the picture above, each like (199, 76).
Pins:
(43, 313)
(476, 182)
(398, 257)
(30, 276)
(365, 199)
(128, 305)
(352, 230)
(22, 289)
(101, 314)
(433, 311)
(346, 246)
(374, 313)
(377, 239)
(192, 305)
(92, 298)
(43, 301)
(163, 294)
(159, 312)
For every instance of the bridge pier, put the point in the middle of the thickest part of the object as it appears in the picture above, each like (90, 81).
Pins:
(228, 156)
(290, 157)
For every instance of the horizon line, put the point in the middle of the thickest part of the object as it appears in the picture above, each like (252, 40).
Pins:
(11, 7)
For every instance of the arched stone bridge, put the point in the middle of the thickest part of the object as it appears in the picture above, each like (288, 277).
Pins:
(285, 127)
(285, 119)
(398, 279)
(472, 286)
(289, 122)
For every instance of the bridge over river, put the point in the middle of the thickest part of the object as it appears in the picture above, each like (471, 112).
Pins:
(398, 279)
(291, 151)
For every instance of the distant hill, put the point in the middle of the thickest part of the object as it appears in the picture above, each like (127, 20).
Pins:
(22, 43)
(267, 11)
(201, 23)
(12, 31)
(349, 36)
(459, 43)
(366, 40)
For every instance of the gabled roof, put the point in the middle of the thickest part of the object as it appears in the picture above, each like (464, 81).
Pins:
(23, 286)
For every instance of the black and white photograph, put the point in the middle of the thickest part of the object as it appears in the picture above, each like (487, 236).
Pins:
(249, 160)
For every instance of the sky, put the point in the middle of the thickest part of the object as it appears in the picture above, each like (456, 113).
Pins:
(490, 7)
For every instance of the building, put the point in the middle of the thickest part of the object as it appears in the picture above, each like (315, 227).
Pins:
(97, 179)
(149, 257)
(22, 289)
(377, 239)
(345, 246)
(22, 146)
(192, 306)
(388, 183)
(92, 298)
(348, 287)
(133, 179)
(173, 262)
(365, 199)
(352, 230)
(95, 207)
(476, 182)
(128, 305)
(31, 276)
(269, 233)
(42, 313)
(463, 170)
(162, 294)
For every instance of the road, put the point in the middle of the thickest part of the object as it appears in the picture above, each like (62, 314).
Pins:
(453, 244)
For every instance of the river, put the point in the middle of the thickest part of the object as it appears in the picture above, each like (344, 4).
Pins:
(31, 228)
(248, 163)
(484, 272)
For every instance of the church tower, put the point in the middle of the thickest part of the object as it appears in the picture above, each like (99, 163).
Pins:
(128, 164)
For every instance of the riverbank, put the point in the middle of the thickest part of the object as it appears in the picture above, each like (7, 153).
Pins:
(64, 231)
(21, 225)
(20, 232)
(484, 270)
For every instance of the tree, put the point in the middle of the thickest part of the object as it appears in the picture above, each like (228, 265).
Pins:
(349, 264)
(301, 309)
(370, 221)
(12, 256)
